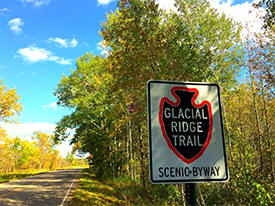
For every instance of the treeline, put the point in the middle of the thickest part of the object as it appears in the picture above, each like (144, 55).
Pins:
(18, 155)
(107, 96)
(23, 155)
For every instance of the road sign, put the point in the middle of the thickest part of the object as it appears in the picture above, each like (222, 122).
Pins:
(186, 138)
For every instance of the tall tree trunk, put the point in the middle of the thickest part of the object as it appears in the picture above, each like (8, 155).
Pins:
(229, 137)
(243, 135)
(268, 132)
(182, 194)
(259, 139)
(131, 149)
(127, 152)
(142, 164)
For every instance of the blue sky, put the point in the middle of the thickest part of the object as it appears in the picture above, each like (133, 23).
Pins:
(40, 40)
(44, 45)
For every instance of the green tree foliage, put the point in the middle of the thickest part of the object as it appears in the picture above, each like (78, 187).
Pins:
(147, 42)
(87, 92)
(249, 114)
(144, 42)
(47, 154)
(17, 154)
(107, 95)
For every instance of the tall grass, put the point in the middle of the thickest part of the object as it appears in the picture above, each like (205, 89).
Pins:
(118, 191)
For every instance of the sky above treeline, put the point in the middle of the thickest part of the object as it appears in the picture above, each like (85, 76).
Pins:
(40, 40)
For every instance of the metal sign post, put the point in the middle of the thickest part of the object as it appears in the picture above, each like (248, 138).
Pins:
(190, 191)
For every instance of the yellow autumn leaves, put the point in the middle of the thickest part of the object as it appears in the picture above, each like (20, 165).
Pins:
(9, 105)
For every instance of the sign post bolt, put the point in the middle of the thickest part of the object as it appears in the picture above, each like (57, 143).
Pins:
(190, 190)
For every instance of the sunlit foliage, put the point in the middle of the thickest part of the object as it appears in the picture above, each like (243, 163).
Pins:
(107, 95)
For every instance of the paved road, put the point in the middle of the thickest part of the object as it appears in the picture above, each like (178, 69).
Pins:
(48, 189)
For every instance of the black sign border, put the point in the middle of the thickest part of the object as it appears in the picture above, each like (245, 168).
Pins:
(150, 137)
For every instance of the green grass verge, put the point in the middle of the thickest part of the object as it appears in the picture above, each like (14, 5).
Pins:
(120, 191)
(22, 174)
(19, 175)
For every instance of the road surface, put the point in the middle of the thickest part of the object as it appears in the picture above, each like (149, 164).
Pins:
(48, 189)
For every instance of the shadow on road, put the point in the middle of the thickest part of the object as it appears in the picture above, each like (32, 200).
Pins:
(45, 189)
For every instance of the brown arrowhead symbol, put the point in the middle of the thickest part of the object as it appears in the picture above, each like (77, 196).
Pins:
(186, 126)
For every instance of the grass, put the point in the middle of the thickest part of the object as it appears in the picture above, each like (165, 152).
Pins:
(118, 191)
(19, 175)
(91, 191)
(7, 177)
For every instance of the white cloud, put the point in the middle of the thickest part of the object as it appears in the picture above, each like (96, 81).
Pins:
(73, 43)
(37, 3)
(164, 4)
(52, 105)
(4, 11)
(104, 2)
(15, 25)
(101, 46)
(63, 61)
(25, 132)
(35, 54)
(64, 148)
(64, 42)
(244, 13)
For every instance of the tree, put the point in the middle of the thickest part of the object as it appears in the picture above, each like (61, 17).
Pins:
(18, 154)
(248, 126)
(5, 162)
(9, 105)
(260, 64)
(269, 17)
(22, 153)
(107, 96)
(29, 155)
(9, 108)
(87, 92)
(45, 143)
(194, 43)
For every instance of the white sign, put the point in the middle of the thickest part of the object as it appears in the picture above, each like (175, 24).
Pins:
(186, 138)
